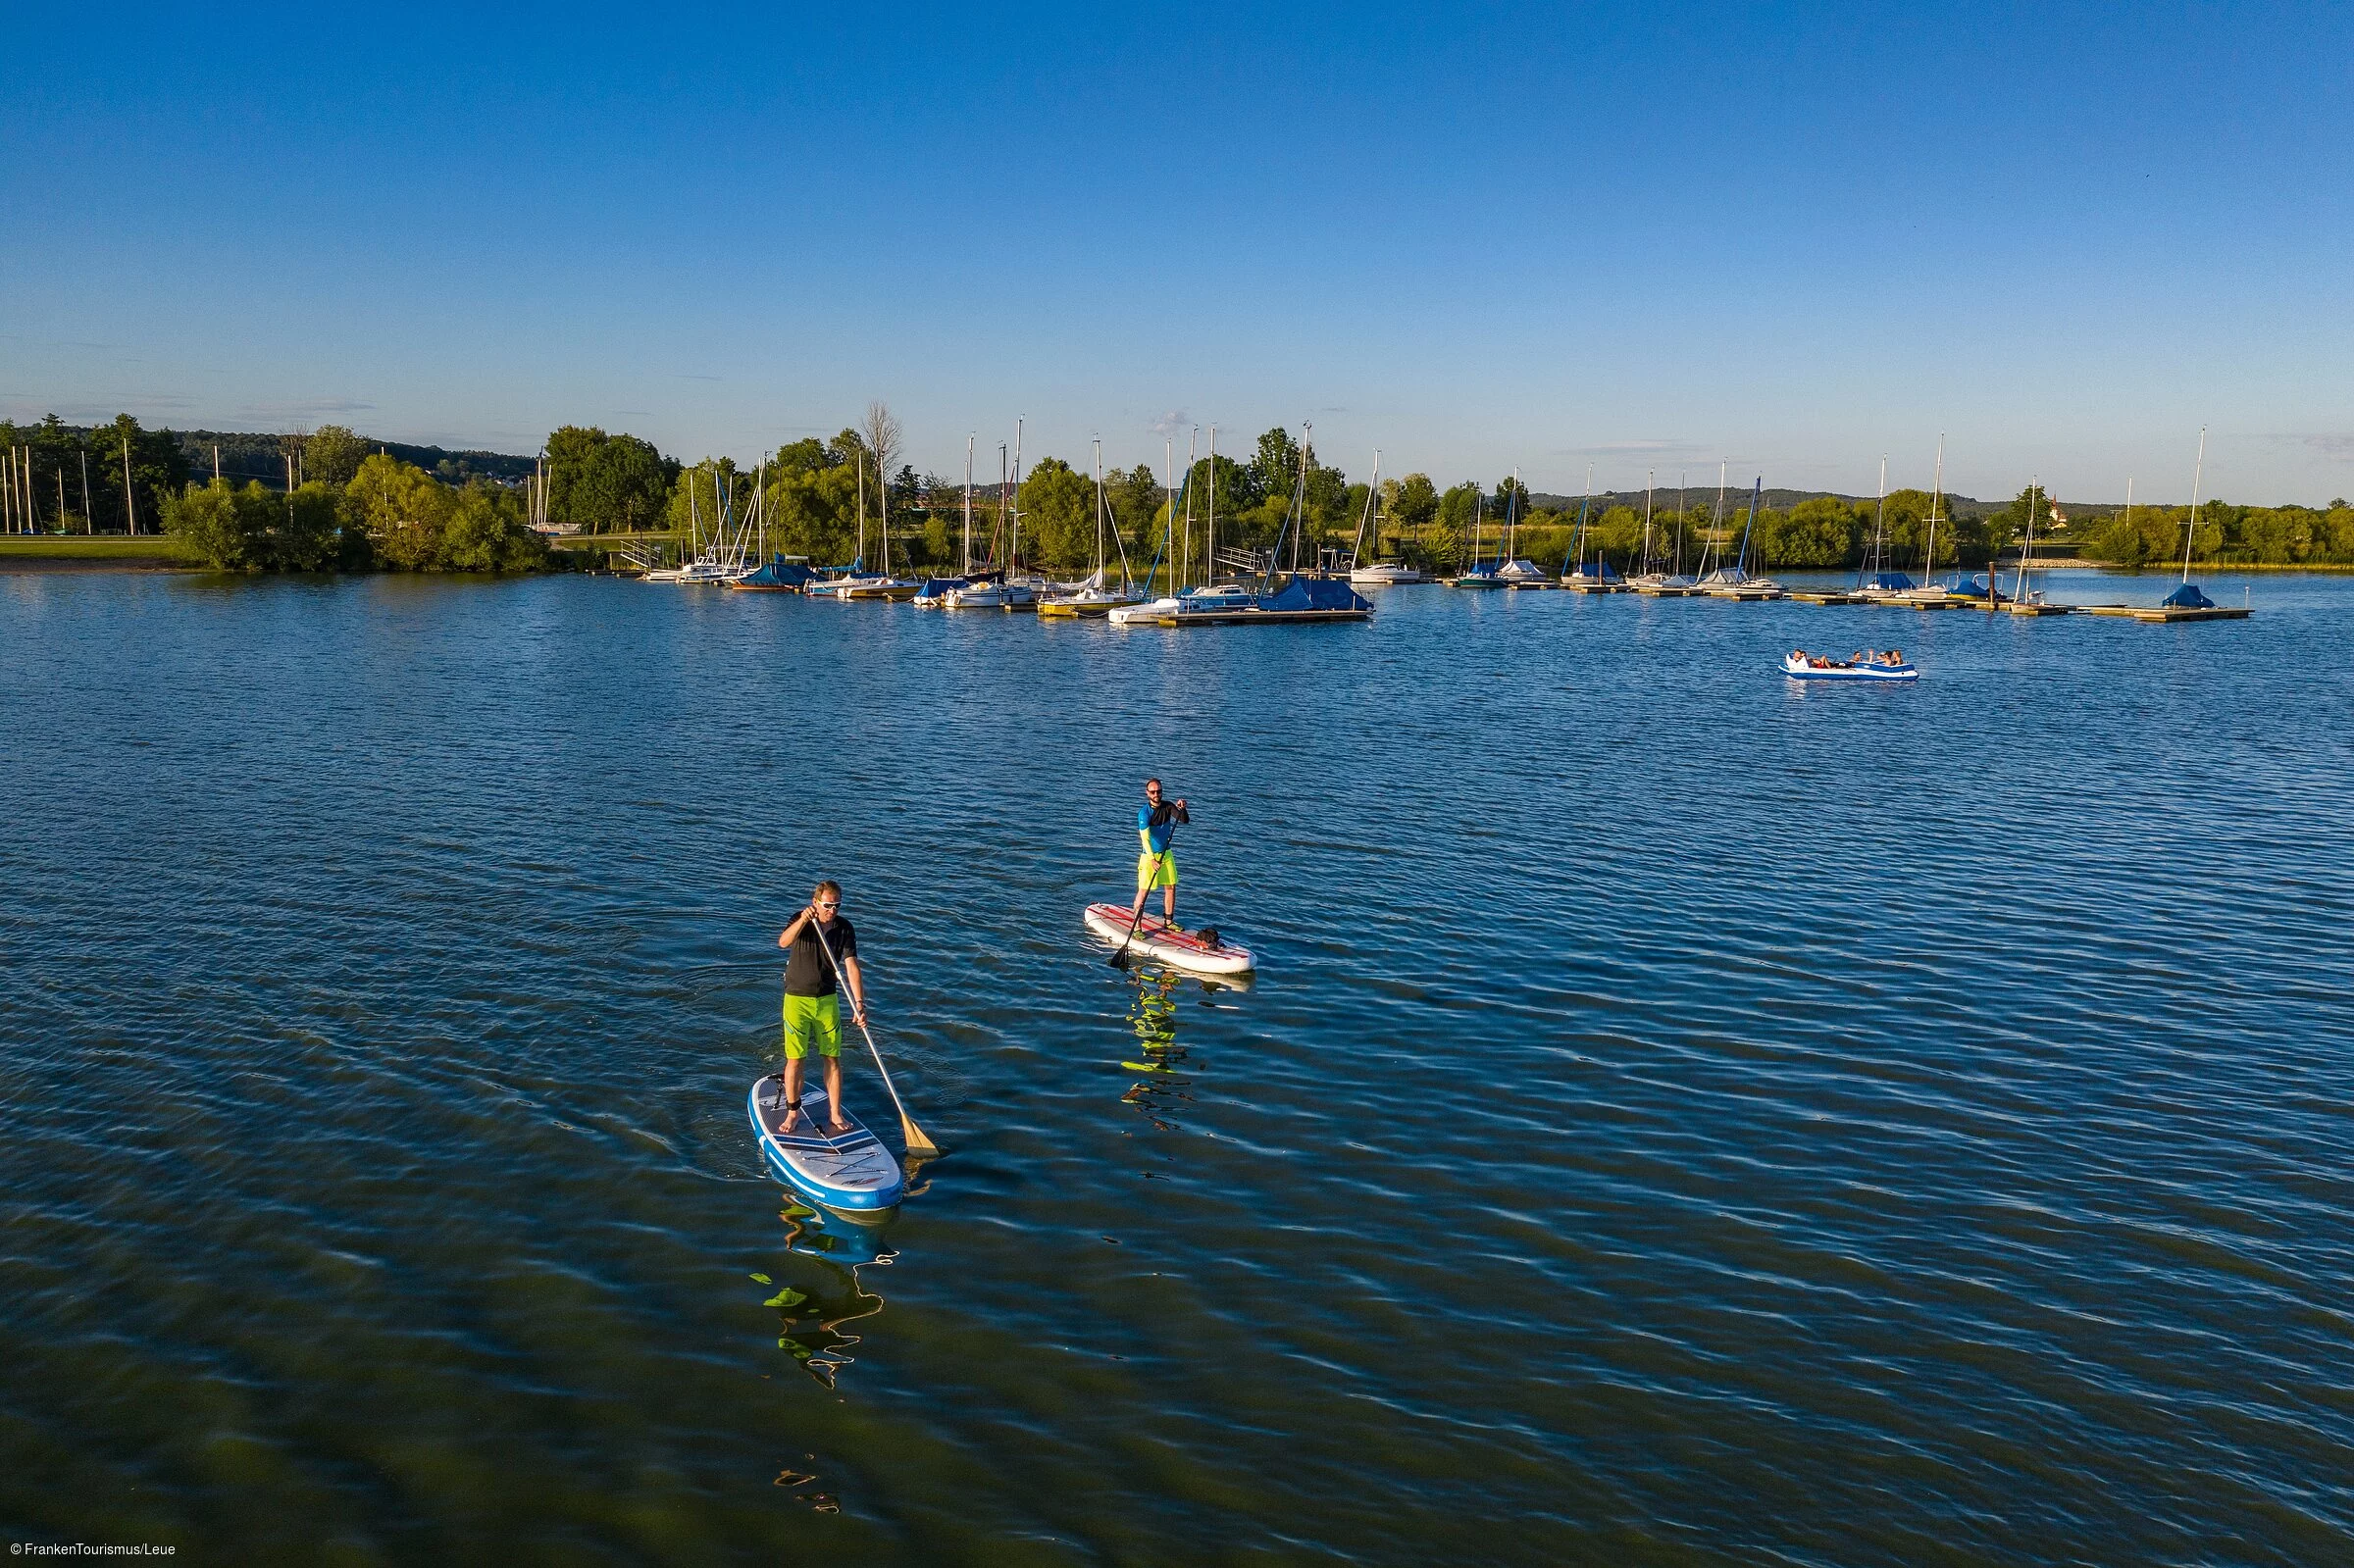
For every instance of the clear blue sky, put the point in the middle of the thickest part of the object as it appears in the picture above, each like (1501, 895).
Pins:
(1475, 239)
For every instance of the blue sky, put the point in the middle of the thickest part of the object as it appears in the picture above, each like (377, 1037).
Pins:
(1478, 238)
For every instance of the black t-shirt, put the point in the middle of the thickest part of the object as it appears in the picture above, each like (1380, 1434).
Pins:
(806, 972)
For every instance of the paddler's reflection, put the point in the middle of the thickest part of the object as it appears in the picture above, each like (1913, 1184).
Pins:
(814, 1308)
(1154, 1016)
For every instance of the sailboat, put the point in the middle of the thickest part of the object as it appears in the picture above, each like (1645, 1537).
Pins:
(1672, 583)
(1875, 582)
(1518, 571)
(995, 588)
(1301, 599)
(1377, 574)
(1929, 596)
(1150, 611)
(722, 559)
(1734, 581)
(1650, 580)
(857, 582)
(1479, 573)
(2025, 598)
(1601, 577)
(1093, 599)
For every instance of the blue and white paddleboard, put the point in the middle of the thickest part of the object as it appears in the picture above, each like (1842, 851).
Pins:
(850, 1171)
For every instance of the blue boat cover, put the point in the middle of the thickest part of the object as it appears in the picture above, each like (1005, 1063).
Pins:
(1315, 594)
(2186, 597)
(934, 588)
(1889, 583)
(781, 573)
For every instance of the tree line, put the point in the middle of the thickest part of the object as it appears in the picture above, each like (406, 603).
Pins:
(354, 503)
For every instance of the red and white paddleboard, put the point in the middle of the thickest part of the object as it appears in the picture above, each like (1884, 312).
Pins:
(1156, 939)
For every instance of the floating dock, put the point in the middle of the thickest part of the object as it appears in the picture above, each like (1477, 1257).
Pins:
(2163, 614)
(1257, 617)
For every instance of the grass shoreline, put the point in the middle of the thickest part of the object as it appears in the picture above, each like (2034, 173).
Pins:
(37, 552)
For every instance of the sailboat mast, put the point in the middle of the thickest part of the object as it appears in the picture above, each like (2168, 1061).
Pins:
(1098, 511)
(2191, 532)
(1209, 562)
(1929, 567)
(1356, 550)
(996, 533)
(2018, 590)
(969, 504)
(1193, 450)
(861, 509)
(1879, 530)
(1511, 520)
(1015, 546)
(1683, 511)
(1649, 477)
(1757, 494)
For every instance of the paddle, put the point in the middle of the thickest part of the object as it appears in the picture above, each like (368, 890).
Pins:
(1119, 960)
(917, 1143)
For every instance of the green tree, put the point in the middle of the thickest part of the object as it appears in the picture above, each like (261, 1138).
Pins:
(404, 510)
(159, 470)
(1135, 501)
(1458, 519)
(625, 487)
(1059, 513)
(1816, 533)
(307, 535)
(1413, 506)
(1274, 468)
(215, 527)
(488, 531)
(606, 483)
(331, 454)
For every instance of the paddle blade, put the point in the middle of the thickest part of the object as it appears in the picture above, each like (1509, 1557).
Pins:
(1119, 960)
(918, 1146)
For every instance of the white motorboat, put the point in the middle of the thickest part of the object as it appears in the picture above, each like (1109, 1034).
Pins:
(1385, 573)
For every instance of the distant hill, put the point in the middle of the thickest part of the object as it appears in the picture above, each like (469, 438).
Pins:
(1776, 500)
(251, 455)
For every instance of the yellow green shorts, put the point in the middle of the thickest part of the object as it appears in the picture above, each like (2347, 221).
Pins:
(812, 1020)
(1146, 878)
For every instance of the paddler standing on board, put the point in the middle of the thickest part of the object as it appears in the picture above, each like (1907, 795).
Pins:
(819, 940)
(1156, 822)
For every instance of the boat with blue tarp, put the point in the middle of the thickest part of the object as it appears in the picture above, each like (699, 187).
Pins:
(783, 574)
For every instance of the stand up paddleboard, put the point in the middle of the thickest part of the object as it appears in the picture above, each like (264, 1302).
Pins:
(851, 1172)
(1156, 939)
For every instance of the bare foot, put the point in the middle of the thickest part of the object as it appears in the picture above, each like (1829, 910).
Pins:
(838, 1126)
(793, 1114)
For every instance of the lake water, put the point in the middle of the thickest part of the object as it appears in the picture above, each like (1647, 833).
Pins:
(1685, 1117)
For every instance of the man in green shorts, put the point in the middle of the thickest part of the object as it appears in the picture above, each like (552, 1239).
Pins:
(812, 1000)
(1156, 822)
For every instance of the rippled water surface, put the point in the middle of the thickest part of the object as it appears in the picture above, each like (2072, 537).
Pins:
(1683, 1118)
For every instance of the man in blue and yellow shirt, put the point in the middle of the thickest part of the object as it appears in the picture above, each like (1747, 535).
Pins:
(1156, 822)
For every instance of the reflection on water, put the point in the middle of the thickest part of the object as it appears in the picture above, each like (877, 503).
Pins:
(1152, 1014)
(815, 1299)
